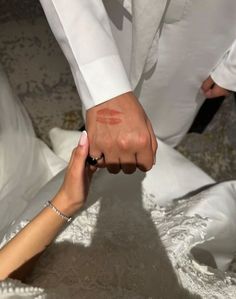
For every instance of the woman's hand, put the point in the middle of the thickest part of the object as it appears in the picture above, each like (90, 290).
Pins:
(16, 256)
(74, 189)
(212, 90)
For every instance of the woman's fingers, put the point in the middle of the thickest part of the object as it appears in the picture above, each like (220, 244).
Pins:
(80, 153)
(74, 189)
(83, 146)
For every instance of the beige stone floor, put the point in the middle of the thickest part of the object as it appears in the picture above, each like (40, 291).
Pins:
(42, 79)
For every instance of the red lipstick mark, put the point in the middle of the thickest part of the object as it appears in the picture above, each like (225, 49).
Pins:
(107, 116)
(109, 120)
(108, 112)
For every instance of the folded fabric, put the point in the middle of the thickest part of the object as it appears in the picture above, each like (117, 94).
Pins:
(26, 162)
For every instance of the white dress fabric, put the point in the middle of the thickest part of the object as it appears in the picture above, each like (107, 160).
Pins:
(20, 153)
(123, 244)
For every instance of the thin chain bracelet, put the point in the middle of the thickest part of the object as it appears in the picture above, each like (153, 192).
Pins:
(59, 213)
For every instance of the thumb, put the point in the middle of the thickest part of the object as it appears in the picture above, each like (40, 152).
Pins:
(83, 146)
(80, 153)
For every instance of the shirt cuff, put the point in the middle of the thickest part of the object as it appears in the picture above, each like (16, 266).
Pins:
(101, 80)
(224, 73)
(224, 77)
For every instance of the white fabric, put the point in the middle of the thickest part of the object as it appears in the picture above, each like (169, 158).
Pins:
(193, 40)
(221, 228)
(13, 289)
(20, 153)
(225, 72)
(83, 31)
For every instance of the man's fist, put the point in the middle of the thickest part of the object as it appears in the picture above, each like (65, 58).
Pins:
(120, 130)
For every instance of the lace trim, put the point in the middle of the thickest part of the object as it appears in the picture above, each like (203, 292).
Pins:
(12, 287)
(180, 234)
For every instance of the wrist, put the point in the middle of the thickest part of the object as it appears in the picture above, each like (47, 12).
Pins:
(113, 101)
(65, 206)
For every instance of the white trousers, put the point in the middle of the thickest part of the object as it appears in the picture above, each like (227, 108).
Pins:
(195, 35)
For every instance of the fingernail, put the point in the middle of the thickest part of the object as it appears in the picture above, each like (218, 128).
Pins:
(83, 138)
(154, 160)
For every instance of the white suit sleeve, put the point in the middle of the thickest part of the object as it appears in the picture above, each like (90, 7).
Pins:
(83, 31)
(224, 73)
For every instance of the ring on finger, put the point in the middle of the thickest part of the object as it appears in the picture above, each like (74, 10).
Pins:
(94, 160)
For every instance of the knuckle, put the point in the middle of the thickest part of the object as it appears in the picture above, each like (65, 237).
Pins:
(123, 143)
(143, 140)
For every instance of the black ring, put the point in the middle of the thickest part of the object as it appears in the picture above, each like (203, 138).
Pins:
(93, 161)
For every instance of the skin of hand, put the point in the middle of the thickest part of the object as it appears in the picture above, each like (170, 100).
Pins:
(212, 90)
(74, 189)
(121, 131)
(40, 232)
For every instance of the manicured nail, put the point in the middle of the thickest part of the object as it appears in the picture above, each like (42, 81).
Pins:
(83, 138)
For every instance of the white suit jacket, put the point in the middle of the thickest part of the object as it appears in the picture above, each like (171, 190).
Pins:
(83, 31)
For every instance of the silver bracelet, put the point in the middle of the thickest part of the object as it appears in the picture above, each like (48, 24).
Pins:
(59, 213)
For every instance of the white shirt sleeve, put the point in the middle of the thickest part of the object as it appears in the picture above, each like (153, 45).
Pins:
(83, 31)
(224, 74)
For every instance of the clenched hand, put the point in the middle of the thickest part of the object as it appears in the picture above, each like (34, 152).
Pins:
(121, 131)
